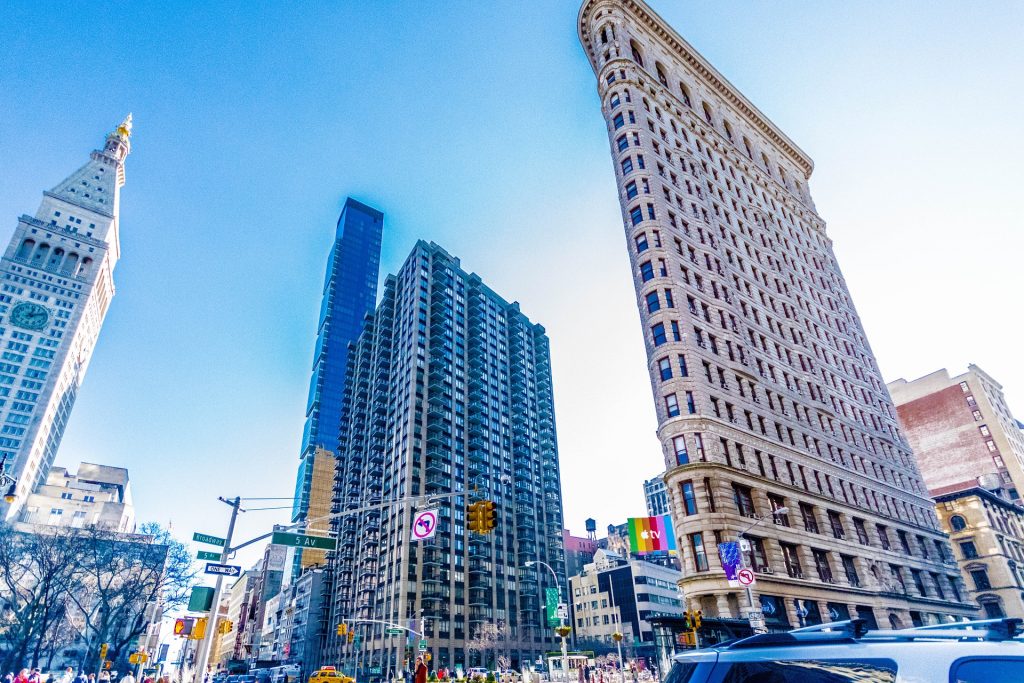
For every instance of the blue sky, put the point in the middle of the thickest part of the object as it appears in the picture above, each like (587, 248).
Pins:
(476, 125)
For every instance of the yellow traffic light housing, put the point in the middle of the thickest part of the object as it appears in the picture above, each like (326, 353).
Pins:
(225, 626)
(475, 517)
(351, 636)
(490, 516)
(198, 629)
(342, 629)
(104, 648)
(697, 616)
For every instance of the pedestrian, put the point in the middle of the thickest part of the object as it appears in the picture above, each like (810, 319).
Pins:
(9, 678)
(421, 671)
(128, 677)
(36, 676)
(104, 676)
(81, 677)
(92, 678)
(23, 676)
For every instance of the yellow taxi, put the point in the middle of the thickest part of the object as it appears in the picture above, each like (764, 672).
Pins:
(329, 674)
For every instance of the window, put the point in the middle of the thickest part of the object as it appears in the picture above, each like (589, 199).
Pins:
(631, 190)
(665, 369)
(958, 523)
(641, 242)
(619, 121)
(744, 500)
(683, 372)
(862, 532)
(988, 670)
(623, 143)
(66, 496)
(792, 559)
(757, 559)
(672, 405)
(653, 304)
(658, 334)
(627, 166)
(836, 522)
(636, 215)
(691, 407)
(777, 502)
(969, 550)
(992, 608)
(646, 271)
(850, 567)
(810, 671)
(904, 543)
(980, 577)
(822, 565)
(700, 558)
(679, 444)
(689, 498)
(810, 521)
(883, 536)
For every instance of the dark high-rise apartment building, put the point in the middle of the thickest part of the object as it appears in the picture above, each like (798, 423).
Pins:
(350, 292)
(448, 390)
(766, 390)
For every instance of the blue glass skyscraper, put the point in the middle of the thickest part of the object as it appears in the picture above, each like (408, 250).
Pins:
(350, 292)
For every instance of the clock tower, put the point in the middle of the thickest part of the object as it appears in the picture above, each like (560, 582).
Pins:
(56, 283)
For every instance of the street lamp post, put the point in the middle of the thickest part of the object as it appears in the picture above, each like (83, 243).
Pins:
(617, 635)
(562, 629)
(743, 559)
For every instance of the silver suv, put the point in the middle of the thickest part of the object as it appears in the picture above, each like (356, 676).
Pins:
(987, 651)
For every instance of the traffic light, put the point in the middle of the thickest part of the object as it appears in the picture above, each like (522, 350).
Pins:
(183, 627)
(475, 517)
(490, 516)
(351, 636)
(105, 647)
(225, 626)
(342, 630)
(198, 629)
(106, 664)
(687, 620)
(696, 618)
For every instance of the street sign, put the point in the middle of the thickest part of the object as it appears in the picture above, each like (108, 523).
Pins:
(223, 569)
(303, 541)
(745, 576)
(423, 645)
(374, 670)
(744, 545)
(207, 555)
(563, 611)
(207, 538)
(424, 524)
(394, 632)
(551, 606)
(137, 658)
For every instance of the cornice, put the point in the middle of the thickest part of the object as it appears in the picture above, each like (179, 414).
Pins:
(686, 52)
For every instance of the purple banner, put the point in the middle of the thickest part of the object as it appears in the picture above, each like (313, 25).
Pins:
(730, 555)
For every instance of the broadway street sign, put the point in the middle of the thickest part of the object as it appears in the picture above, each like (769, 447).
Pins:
(223, 569)
(301, 541)
(207, 538)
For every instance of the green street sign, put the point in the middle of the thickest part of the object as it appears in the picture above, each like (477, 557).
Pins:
(394, 632)
(207, 538)
(301, 541)
(423, 646)
(207, 555)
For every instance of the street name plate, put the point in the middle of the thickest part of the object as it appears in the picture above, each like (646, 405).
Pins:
(207, 538)
(394, 631)
(302, 541)
(223, 569)
(207, 555)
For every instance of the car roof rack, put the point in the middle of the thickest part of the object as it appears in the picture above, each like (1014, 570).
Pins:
(854, 630)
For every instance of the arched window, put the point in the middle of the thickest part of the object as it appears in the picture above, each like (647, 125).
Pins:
(25, 249)
(707, 113)
(55, 259)
(992, 606)
(604, 35)
(746, 145)
(84, 266)
(764, 160)
(728, 129)
(661, 73)
(685, 92)
(41, 253)
(70, 263)
(958, 523)
(638, 55)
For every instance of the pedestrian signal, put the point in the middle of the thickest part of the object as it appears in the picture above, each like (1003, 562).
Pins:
(183, 627)
(106, 664)
(490, 516)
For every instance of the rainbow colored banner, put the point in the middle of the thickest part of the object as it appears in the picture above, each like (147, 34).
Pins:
(651, 535)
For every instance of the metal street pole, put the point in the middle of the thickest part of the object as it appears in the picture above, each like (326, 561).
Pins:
(743, 561)
(618, 629)
(561, 619)
(204, 644)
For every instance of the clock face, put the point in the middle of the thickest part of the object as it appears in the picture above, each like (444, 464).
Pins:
(30, 315)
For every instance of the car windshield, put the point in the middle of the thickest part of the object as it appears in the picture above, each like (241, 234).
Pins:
(682, 672)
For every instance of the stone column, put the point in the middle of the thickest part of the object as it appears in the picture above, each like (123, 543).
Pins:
(723, 605)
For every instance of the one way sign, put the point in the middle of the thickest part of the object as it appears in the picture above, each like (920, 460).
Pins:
(223, 569)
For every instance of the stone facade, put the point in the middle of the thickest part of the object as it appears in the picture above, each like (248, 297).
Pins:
(766, 390)
(987, 533)
(58, 281)
(96, 496)
(656, 496)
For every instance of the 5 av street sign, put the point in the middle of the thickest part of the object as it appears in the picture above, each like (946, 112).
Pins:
(223, 569)
(302, 541)
(207, 538)
(207, 555)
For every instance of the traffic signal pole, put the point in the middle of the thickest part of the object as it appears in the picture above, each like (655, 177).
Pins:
(204, 645)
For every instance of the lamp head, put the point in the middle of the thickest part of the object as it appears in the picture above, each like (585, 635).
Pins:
(10, 495)
(529, 563)
(780, 511)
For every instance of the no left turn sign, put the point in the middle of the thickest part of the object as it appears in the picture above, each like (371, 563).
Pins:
(745, 576)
